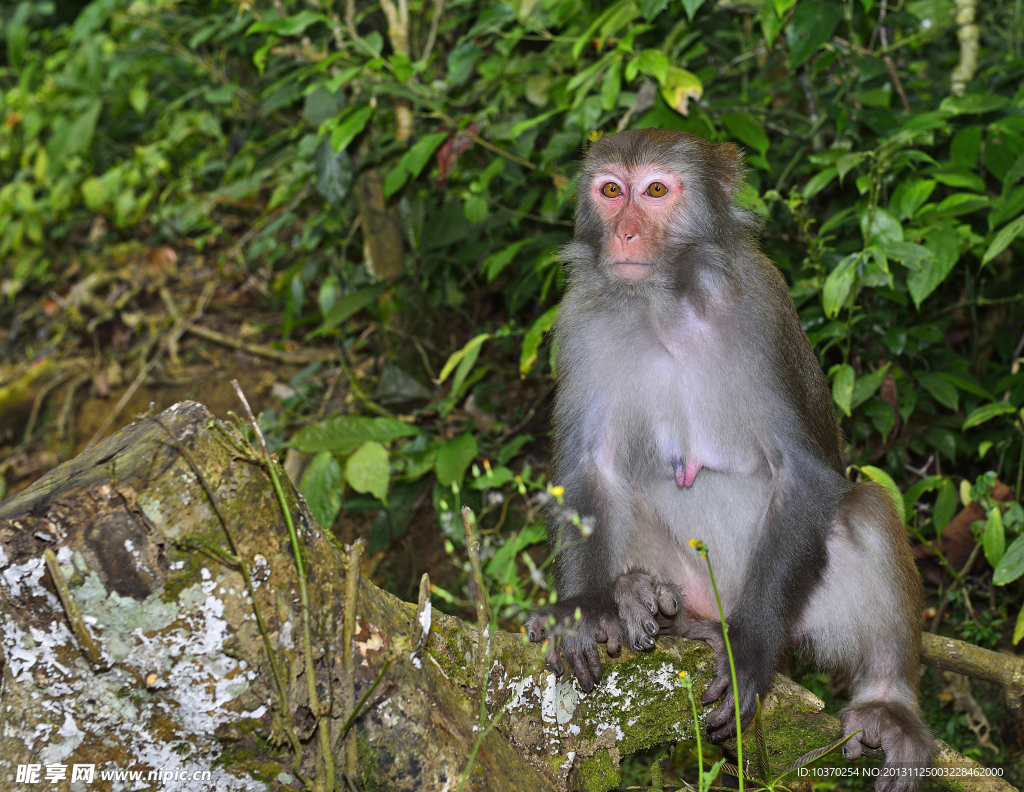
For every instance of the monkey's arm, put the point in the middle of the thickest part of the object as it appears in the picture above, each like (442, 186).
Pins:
(786, 564)
(585, 557)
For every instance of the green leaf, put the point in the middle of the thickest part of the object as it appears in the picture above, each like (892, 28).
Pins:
(972, 103)
(496, 262)
(848, 162)
(880, 227)
(321, 487)
(866, 386)
(351, 124)
(837, 286)
(987, 412)
(1011, 565)
(347, 307)
(881, 477)
(533, 338)
(679, 87)
(289, 25)
(1003, 239)
(412, 162)
(76, 137)
(842, 387)
(945, 505)
(969, 181)
(914, 494)
(333, 173)
(944, 246)
(346, 432)
(771, 22)
(95, 193)
(368, 470)
(691, 7)
(993, 538)
(610, 87)
(747, 129)
(910, 195)
(812, 25)
(493, 480)
(454, 458)
(941, 389)
(530, 123)
(472, 347)
(1014, 174)
(654, 63)
(475, 209)
(1018, 628)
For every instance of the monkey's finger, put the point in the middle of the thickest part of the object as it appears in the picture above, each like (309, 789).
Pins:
(614, 646)
(716, 689)
(668, 599)
(853, 749)
(535, 628)
(594, 661)
(582, 669)
(553, 658)
(721, 722)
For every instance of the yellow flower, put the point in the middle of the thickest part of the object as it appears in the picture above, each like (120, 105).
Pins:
(558, 492)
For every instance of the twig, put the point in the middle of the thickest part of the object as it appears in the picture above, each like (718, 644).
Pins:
(432, 35)
(482, 617)
(41, 397)
(89, 646)
(323, 726)
(348, 657)
(69, 402)
(952, 587)
(949, 654)
(884, 37)
(297, 358)
(180, 327)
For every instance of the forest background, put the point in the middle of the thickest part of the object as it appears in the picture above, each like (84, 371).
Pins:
(356, 209)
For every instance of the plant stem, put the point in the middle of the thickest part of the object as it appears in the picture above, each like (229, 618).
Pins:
(732, 670)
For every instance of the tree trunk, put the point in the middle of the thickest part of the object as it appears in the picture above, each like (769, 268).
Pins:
(140, 649)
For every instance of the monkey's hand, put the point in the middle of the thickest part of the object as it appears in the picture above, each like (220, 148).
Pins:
(574, 627)
(646, 608)
(752, 678)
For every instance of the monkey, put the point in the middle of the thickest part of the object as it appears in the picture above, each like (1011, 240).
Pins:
(690, 405)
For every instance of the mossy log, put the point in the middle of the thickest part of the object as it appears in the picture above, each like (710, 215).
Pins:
(148, 655)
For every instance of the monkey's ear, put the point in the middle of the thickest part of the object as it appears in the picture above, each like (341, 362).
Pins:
(730, 168)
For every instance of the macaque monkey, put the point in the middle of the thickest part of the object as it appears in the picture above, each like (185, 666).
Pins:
(690, 406)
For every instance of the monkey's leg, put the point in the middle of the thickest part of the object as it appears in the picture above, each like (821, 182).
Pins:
(864, 621)
(646, 608)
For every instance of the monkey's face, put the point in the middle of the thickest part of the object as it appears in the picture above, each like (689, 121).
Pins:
(636, 205)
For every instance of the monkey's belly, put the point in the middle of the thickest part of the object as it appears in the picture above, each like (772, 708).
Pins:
(725, 511)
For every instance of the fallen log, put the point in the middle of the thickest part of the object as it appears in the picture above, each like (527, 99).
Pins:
(168, 635)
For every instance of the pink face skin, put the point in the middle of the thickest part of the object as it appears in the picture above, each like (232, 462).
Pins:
(637, 218)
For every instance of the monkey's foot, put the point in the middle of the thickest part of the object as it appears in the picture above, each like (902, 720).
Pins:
(899, 731)
(646, 608)
(751, 678)
(575, 638)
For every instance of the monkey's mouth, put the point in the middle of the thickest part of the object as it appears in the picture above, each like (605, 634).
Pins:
(632, 271)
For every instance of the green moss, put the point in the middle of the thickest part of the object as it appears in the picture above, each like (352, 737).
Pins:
(598, 772)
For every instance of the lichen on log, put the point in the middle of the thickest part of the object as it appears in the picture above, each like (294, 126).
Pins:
(174, 673)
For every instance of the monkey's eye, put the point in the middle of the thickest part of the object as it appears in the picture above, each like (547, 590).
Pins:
(611, 190)
(657, 190)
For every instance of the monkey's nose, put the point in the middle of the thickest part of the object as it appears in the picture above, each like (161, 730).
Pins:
(626, 236)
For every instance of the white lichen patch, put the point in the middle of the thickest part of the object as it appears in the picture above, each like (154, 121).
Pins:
(176, 648)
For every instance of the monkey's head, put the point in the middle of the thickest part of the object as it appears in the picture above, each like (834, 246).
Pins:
(647, 195)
